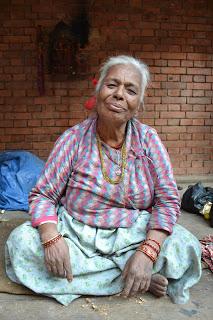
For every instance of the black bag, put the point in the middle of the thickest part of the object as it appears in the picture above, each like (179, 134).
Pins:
(196, 197)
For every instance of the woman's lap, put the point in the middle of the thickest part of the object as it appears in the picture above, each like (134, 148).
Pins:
(97, 257)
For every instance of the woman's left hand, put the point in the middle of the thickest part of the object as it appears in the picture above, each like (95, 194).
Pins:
(137, 274)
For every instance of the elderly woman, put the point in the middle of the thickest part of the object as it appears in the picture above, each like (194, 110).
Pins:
(104, 210)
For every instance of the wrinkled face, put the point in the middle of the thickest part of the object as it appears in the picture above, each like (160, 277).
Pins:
(119, 96)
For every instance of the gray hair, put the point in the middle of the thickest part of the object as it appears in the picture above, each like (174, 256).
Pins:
(125, 60)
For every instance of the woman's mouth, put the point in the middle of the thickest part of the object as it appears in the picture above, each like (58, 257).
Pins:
(115, 107)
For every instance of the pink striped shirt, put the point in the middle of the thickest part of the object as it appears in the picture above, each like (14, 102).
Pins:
(72, 177)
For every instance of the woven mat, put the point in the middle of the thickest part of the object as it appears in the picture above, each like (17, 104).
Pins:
(6, 285)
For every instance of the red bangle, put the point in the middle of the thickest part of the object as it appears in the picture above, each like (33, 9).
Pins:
(155, 241)
(147, 253)
(151, 246)
(48, 243)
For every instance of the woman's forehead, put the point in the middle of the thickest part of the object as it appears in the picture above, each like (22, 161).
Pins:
(127, 73)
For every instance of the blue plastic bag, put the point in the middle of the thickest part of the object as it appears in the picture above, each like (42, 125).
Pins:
(19, 172)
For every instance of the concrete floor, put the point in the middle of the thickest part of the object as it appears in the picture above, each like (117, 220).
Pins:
(19, 307)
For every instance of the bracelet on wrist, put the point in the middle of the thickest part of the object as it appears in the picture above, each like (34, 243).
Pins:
(155, 241)
(149, 254)
(151, 246)
(51, 241)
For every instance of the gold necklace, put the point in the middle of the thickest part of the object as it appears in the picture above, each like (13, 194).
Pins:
(123, 163)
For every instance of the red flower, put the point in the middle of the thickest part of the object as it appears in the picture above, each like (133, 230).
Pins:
(94, 82)
(90, 103)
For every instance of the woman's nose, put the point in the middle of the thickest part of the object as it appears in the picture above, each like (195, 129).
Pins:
(119, 93)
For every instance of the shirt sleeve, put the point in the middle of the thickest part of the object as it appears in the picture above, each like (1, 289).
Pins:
(50, 187)
(166, 204)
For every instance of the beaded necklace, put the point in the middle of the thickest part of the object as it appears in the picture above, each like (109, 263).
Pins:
(123, 163)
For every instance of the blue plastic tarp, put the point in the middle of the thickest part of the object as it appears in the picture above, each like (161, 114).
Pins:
(19, 172)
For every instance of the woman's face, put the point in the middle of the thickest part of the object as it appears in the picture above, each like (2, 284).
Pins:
(119, 96)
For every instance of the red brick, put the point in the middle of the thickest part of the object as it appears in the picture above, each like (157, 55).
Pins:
(179, 171)
(209, 108)
(174, 77)
(174, 114)
(177, 144)
(198, 115)
(186, 122)
(200, 79)
(186, 78)
(199, 108)
(174, 107)
(193, 171)
(174, 70)
(34, 123)
(18, 145)
(16, 39)
(186, 63)
(185, 136)
(174, 129)
(208, 93)
(174, 100)
(185, 164)
(186, 93)
(173, 150)
(149, 122)
(6, 123)
(208, 122)
(173, 85)
(42, 145)
(47, 100)
(174, 92)
(173, 63)
(197, 143)
(160, 77)
(201, 156)
(202, 71)
(198, 93)
(197, 100)
(197, 164)
(160, 122)
(199, 86)
(18, 115)
(172, 136)
(194, 129)
(209, 79)
(62, 123)
(161, 107)
(160, 93)
(173, 56)
(173, 122)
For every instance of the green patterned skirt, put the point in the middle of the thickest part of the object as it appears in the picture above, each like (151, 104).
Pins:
(98, 257)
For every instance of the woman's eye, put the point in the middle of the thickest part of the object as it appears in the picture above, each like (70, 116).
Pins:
(111, 85)
(130, 91)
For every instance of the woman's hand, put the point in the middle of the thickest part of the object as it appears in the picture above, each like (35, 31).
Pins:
(57, 259)
(56, 256)
(137, 274)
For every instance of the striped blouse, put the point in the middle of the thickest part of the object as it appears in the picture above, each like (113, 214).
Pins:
(73, 177)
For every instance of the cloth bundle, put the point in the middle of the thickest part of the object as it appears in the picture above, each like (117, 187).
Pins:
(207, 251)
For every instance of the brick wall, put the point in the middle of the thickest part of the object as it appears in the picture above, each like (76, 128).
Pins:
(173, 37)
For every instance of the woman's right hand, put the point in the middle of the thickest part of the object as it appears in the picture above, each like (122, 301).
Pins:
(56, 256)
(57, 259)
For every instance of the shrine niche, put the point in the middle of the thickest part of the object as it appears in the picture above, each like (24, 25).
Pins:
(66, 59)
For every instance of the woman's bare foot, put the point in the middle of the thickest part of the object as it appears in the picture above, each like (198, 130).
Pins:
(158, 285)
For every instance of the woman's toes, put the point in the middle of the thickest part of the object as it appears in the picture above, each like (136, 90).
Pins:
(158, 285)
